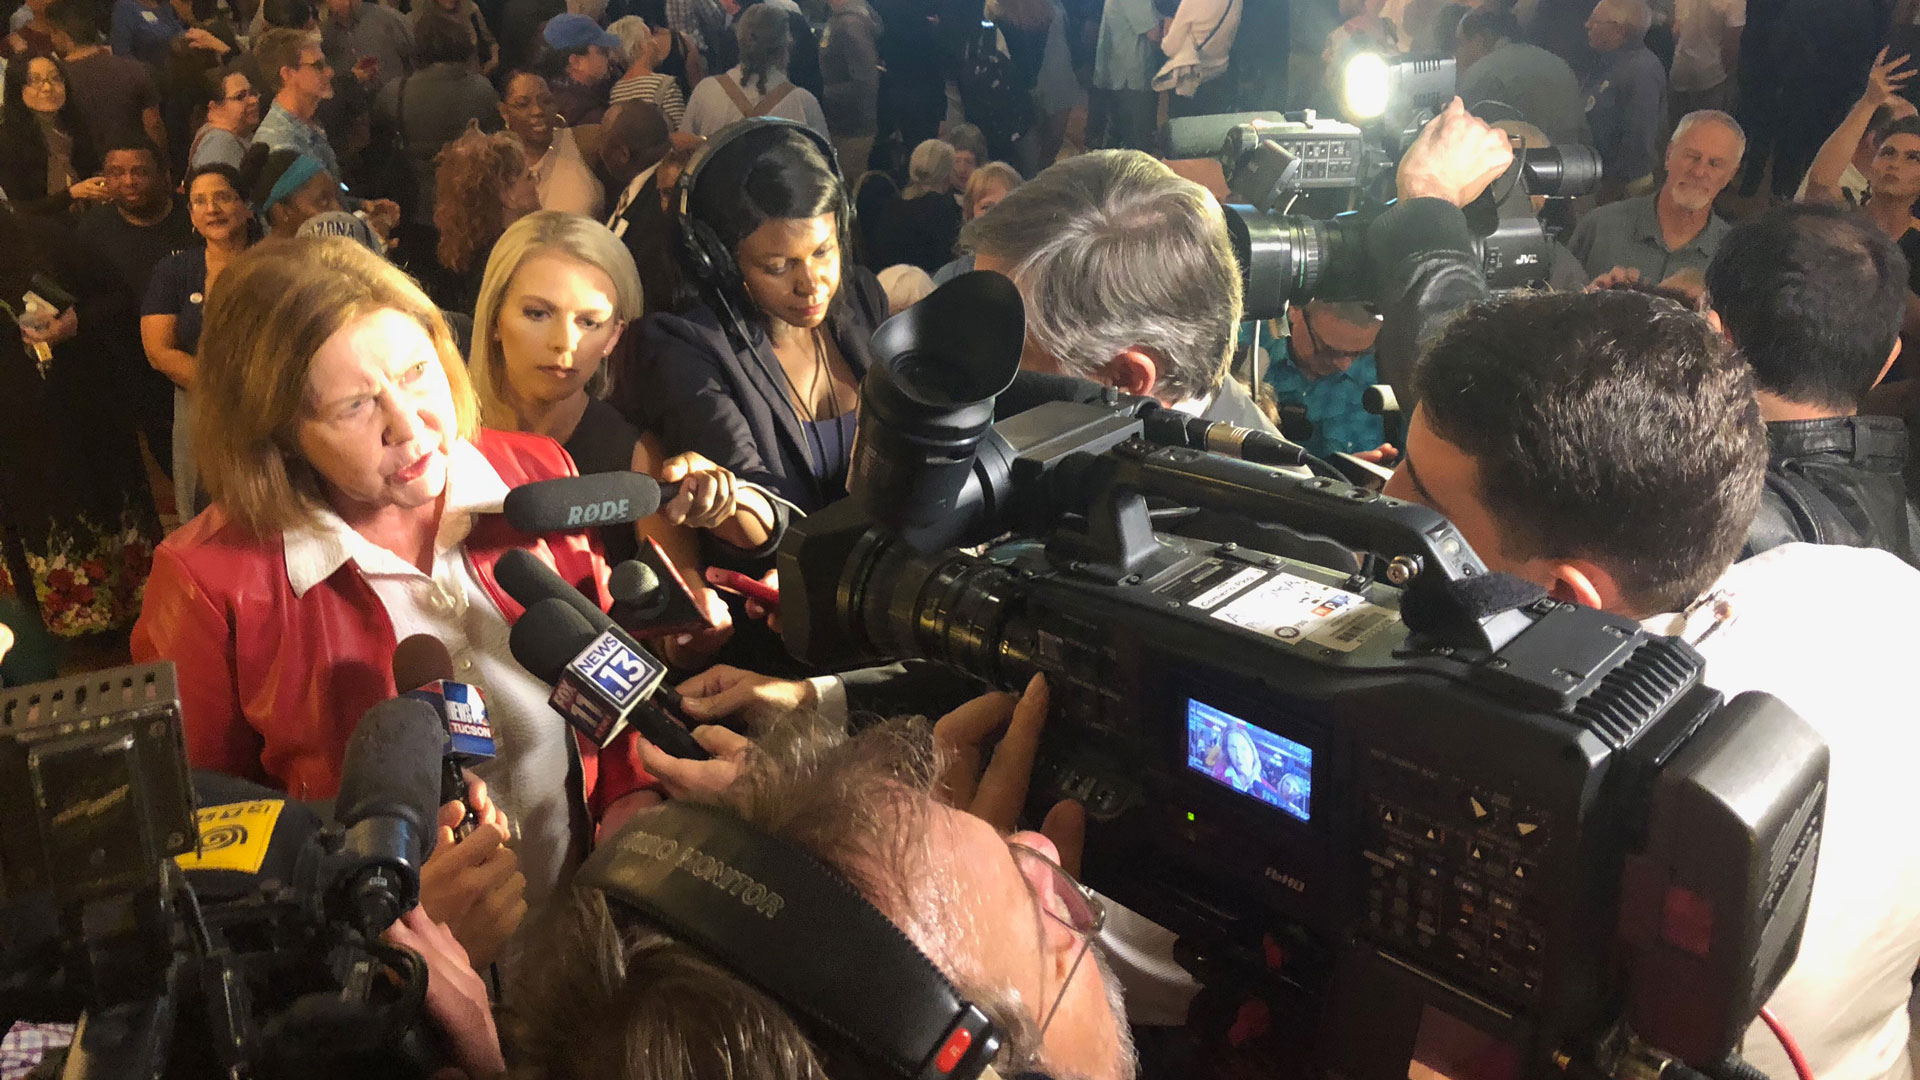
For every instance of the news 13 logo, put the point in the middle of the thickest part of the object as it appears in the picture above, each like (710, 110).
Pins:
(624, 675)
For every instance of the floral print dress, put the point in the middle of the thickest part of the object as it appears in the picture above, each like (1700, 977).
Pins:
(77, 521)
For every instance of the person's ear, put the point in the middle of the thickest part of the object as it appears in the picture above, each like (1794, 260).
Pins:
(1720, 327)
(1582, 582)
(1132, 372)
(1888, 366)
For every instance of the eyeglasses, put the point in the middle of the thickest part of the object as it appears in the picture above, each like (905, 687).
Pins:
(1066, 902)
(46, 82)
(321, 64)
(1324, 351)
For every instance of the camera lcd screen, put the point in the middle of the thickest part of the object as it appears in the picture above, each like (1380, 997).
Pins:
(1250, 759)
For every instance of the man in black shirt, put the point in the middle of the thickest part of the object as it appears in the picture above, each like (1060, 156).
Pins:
(142, 225)
(1814, 297)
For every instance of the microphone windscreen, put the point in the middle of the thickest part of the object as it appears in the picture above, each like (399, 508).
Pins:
(633, 582)
(392, 766)
(529, 580)
(549, 635)
(580, 502)
(1204, 136)
(248, 834)
(419, 660)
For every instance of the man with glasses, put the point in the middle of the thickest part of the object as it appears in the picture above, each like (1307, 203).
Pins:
(296, 69)
(1323, 368)
(233, 112)
(993, 909)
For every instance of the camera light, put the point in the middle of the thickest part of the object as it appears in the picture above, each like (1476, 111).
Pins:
(1364, 86)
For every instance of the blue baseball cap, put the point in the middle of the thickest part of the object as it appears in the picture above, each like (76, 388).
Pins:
(569, 32)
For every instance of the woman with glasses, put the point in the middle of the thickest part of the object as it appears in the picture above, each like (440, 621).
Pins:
(47, 159)
(233, 111)
(176, 298)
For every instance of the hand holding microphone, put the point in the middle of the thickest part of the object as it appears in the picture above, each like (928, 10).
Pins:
(475, 885)
(696, 492)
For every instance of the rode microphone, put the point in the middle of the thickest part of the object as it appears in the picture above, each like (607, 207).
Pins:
(389, 800)
(602, 679)
(423, 671)
(581, 502)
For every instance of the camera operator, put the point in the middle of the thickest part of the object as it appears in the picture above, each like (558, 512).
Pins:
(1129, 280)
(1814, 296)
(915, 824)
(1609, 447)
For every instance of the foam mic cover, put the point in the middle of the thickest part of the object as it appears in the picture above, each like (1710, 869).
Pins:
(529, 580)
(388, 804)
(551, 633)
(419, 660)
(579, 502)
(249, 834)
(634, 582)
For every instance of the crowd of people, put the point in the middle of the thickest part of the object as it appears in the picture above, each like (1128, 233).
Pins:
(291, 324)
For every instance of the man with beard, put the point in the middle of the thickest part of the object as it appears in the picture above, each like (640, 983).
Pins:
(1653, 237)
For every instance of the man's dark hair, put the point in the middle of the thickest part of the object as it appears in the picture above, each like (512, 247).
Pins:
(439, 38)
(1610, 426)
(137, 145)
(1814, 296)
(288, 14)
(76, 20)
(1490, 21)
(1906, 125)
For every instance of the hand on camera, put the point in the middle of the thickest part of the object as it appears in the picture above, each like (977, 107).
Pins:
(1615, 278)
(456, 995)
(699, 780)
(722, 691)
(1456, 156)
(998, 792)
(475, 885)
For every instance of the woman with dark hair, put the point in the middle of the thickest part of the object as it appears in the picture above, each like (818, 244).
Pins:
(47, 159)
(761, 373)
(758, 85)
(176, 298)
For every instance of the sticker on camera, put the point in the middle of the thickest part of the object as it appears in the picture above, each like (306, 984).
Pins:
(1296, 610)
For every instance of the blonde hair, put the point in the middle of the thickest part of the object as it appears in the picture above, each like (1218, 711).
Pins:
(266, 317)
(579, 238)
(635, 35)
(992, 174)
(930, 169)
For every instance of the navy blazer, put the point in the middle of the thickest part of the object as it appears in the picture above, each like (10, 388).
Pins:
(697, 387)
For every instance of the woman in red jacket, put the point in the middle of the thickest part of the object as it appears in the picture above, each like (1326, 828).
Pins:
(356, 503)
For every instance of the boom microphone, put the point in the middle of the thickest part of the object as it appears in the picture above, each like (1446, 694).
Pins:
(579, 502)
(602, 679)
(423, 670)
(389, 800)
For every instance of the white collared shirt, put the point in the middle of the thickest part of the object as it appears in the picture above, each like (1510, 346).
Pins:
(1830, 631)
(532, 753)
(617, 220)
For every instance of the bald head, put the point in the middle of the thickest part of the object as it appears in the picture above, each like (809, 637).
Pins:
(634, 137)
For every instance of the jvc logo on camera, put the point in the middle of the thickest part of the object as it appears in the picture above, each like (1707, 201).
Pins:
(590, 513)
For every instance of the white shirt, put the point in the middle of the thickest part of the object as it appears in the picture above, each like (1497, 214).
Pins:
(564, 180)
(1698, 28)
(1831, 632)
(533, 745)
(617, 220)
(1854, 186)
(710, 108)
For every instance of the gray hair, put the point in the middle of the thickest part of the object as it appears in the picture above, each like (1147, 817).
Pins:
(1112, 251)
(765, 43)
(930, 169)
(1635, 13)
(968, 137)
(634, 34)
(1714, 116)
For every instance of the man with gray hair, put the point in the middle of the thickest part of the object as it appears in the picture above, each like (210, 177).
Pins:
(1626, 97)
(1128, 277)
(1653, 237)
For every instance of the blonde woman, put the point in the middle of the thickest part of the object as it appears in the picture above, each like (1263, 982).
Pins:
(355, 503)
(922, 228)
(558, 292)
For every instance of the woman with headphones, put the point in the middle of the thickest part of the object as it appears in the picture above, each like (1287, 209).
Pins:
(759, 368)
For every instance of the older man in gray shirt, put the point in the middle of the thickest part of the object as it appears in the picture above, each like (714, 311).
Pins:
(1494, 65)
(1657, 236)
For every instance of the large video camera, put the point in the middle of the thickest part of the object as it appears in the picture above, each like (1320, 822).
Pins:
(1303, 189)
(1445, 820)
(219, 942)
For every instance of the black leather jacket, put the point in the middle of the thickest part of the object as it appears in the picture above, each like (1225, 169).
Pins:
(1425, 271)
(1837, 481)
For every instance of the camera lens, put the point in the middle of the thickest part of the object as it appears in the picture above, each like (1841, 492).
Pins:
(1291, 259)
(1562, 171)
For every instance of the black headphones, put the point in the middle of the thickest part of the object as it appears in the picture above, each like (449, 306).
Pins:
(783, 921)
(709, 260)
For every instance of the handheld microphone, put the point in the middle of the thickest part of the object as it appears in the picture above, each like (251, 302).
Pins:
(529, 581)
(651, 597)
(602, 679)
(569, 503)
(423, 670)
(389, 800)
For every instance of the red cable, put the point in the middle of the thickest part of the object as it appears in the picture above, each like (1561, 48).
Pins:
(1800, 1066)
